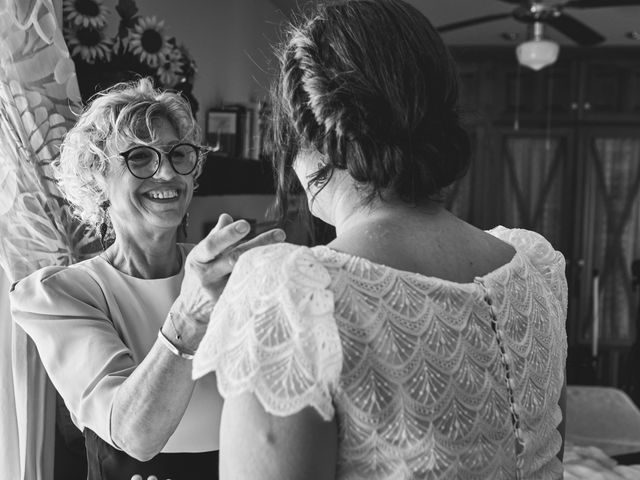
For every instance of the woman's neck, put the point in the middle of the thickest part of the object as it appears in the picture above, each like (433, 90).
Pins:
(148, 261)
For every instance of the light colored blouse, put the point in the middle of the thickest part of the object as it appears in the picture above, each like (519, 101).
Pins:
(92, 325)
(426, 378)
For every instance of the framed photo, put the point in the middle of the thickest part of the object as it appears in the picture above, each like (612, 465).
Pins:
(222, 131)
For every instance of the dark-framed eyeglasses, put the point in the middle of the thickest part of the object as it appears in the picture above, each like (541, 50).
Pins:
(144, 161)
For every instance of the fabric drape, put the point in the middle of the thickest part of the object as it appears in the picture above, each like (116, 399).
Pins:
(9, 455)
(38, 97)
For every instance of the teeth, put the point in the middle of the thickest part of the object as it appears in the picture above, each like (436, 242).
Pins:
(163, 194)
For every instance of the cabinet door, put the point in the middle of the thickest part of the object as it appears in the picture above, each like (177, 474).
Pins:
(611, 90)
(529, 98)
(611, 236)
(520, 179)
(535, 183)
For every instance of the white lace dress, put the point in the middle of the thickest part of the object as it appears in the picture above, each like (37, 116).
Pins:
(427, 378)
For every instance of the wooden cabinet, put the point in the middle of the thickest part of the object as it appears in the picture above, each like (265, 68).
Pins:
(525, 96)
(584, 85)
(558, 152)
(611, 89)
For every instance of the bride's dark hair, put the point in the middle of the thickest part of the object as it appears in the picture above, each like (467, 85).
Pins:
(370, 85)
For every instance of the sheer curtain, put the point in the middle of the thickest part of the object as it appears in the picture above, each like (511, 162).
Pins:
(38, 95)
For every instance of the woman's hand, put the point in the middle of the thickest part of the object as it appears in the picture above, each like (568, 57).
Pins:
(207, 270)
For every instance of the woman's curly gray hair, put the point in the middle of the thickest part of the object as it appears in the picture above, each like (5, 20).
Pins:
(121, 114)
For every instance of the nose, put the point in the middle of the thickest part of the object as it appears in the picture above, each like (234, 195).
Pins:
(165, 170)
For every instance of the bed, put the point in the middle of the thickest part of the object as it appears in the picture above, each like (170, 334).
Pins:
(602, 434)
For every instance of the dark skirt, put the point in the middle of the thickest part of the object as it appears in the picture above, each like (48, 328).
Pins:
(108, 463)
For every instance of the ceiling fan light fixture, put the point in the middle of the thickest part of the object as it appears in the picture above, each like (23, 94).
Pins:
(537, 53)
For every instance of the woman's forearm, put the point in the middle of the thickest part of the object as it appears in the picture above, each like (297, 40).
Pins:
(151, 402)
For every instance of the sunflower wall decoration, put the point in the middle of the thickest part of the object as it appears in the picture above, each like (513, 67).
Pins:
(139, 48)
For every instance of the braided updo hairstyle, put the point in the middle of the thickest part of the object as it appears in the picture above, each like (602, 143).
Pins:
(370, 85)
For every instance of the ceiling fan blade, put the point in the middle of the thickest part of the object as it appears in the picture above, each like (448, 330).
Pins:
(600, 3)
(574, 29)
(473, 21)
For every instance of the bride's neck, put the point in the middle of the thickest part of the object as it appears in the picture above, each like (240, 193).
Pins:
(353, 217)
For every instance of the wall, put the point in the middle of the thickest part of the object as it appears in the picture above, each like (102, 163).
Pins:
(230, 41)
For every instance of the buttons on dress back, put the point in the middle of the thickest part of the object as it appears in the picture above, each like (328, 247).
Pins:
(505, 360)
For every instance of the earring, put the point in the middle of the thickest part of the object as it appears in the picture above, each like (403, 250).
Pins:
(103, 226)
(184, 224)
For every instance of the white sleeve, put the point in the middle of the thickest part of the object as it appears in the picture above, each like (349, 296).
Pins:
(541, 254)
(273, 333)
(65, 313)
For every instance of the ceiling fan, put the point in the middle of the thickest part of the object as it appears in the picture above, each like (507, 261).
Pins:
(538, 52)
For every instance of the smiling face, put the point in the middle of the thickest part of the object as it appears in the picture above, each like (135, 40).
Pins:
(145, 209)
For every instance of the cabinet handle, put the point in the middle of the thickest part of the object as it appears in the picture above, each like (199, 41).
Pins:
(587, 106)
(574, 106)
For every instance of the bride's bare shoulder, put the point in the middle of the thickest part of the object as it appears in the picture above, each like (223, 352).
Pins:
(443, 247)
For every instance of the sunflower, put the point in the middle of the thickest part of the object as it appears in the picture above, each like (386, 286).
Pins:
(90, 44)
(147, 40)
(169, 72)
(85, 13)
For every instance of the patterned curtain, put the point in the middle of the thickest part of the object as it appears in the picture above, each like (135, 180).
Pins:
(616, 235)
(38, 95)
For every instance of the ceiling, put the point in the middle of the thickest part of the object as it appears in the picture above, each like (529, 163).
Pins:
(612, 22)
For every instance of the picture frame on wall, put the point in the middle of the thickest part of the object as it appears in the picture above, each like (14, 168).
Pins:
(222, 131)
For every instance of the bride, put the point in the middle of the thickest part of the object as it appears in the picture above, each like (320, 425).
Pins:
(413, 345)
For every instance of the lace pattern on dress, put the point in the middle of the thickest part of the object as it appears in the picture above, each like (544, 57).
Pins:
(416, 366)
(543, 341)
(273, 333)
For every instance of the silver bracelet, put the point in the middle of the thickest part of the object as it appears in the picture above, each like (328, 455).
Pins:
(172, 348)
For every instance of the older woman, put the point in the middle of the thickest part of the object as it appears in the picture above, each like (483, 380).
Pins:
(414, 345)
(117, 333)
